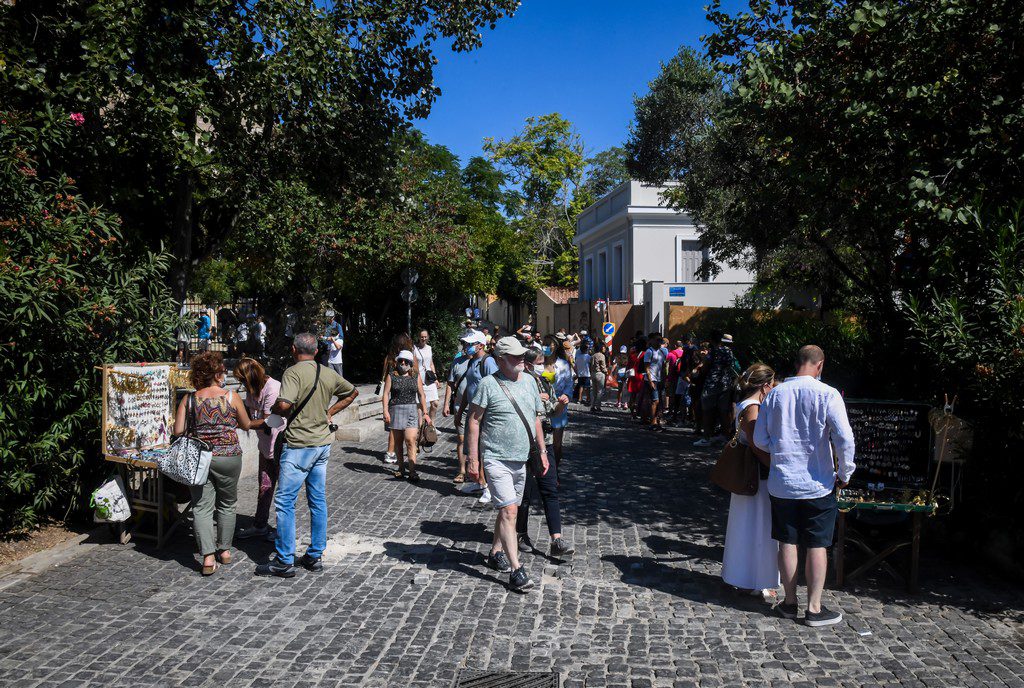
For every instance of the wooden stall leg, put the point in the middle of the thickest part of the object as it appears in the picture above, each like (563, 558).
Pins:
(915, 553)
(840, 550)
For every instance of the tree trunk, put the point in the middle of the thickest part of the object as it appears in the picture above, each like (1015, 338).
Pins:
(181, 233)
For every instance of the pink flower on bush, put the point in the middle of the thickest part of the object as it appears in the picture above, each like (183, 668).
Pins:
(78, 118)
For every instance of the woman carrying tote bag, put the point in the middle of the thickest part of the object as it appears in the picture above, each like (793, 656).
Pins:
(217, 413)
(750, 562)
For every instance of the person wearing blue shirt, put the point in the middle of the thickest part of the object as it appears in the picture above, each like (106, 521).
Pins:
(203, 326)
(480, 366)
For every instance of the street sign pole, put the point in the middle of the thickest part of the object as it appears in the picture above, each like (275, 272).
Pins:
(409, 294)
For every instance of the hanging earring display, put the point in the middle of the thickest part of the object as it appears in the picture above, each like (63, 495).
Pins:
(138, 401)
(181, 378)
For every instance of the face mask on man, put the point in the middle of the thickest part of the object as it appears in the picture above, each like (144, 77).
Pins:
(471, 349)
(548, 350)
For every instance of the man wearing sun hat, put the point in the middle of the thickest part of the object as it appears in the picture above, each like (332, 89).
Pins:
(716, 397)
(497, 436)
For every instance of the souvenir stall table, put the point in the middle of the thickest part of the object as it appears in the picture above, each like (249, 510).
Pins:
(137, 422)
(893, 449)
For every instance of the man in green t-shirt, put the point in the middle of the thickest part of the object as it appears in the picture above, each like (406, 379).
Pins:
(496, 433)
(308, 388)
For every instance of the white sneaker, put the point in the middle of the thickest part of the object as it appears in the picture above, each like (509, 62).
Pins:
(702, 442)
(472, 487)
(485, 498)
(390, 457)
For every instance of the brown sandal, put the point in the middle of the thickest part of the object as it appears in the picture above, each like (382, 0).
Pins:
(460, 478)
(224, 556)
(209, 570)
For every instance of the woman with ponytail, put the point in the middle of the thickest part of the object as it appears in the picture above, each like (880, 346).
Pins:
(750, 562)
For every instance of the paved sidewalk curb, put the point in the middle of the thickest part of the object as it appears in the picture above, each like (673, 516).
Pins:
(38, 562)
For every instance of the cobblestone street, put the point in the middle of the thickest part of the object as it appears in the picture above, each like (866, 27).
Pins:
(406, 600)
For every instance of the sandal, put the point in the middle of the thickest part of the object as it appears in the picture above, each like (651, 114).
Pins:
(210, 570)
(414, 477)
(224, 556)
(460, 478)
(400, 474)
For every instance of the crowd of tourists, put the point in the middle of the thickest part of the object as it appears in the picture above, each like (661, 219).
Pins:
(510, 398)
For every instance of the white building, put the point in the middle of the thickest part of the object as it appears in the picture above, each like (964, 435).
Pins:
(630, 243)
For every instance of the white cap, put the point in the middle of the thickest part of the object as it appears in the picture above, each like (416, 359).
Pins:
(405, 354)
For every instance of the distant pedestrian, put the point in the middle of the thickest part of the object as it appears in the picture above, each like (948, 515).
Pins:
(261, 336)
(622, 376)
(428, 374)
(716, 396)
(498, 437)
(305, 400)
(583, 375)
(800, 423)
(216, 412)
(403, 401)
(334, 335)
(203, 326)
(261, 392)
(598, 377)
(654, 379)
(751, 558)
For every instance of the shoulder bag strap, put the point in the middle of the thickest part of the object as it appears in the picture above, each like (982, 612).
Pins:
(298, 409)
(522, 417)
(190, 415)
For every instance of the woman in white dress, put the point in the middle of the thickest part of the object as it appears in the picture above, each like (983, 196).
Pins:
(428, 374)
(751, 555)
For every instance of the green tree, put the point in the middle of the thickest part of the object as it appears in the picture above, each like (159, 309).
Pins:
(605, 171)
(545, 165)
(196, 109)
(853, 137)
(74, 296)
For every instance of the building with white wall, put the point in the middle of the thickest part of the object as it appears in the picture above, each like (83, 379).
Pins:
(629, 238)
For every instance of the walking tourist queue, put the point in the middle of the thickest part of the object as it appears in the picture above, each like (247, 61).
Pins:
(509, 398)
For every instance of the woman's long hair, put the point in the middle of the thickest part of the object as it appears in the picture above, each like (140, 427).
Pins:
(400, 342)
(252, 375)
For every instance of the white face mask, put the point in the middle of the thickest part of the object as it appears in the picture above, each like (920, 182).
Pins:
(538, 367)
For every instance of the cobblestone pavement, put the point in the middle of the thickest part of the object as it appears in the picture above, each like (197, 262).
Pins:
(406, 600)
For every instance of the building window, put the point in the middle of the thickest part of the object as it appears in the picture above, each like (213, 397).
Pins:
(617, 277)
(688, 260)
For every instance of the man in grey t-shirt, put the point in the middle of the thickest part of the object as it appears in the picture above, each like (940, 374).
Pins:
(497, 434)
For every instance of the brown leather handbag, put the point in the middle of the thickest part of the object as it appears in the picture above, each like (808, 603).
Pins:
(736, 469)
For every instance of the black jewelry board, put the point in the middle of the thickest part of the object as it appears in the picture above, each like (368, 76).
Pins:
(893, 444)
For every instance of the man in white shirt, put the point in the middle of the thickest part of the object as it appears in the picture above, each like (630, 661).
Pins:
(799, 423)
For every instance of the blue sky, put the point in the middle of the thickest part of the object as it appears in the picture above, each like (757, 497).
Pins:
(585, 59)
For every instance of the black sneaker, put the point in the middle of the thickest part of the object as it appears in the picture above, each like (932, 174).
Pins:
(275, 568)
(310, 564)
(826, 617)
(526, 544)
(519, 581)
(499, 562)
(787, 611)
(560, 549)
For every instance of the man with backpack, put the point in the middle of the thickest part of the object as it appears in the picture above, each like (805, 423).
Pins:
(453, 393)
(480, 366)
(305, 400)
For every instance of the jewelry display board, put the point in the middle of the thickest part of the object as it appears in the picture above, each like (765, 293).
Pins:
(137, 413)
(893, 445)
(136, 426)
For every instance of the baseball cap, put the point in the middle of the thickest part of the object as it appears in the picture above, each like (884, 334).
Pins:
(623, 349)
(509, 346)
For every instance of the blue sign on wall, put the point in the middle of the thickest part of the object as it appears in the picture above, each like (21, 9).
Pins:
(676, 292)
